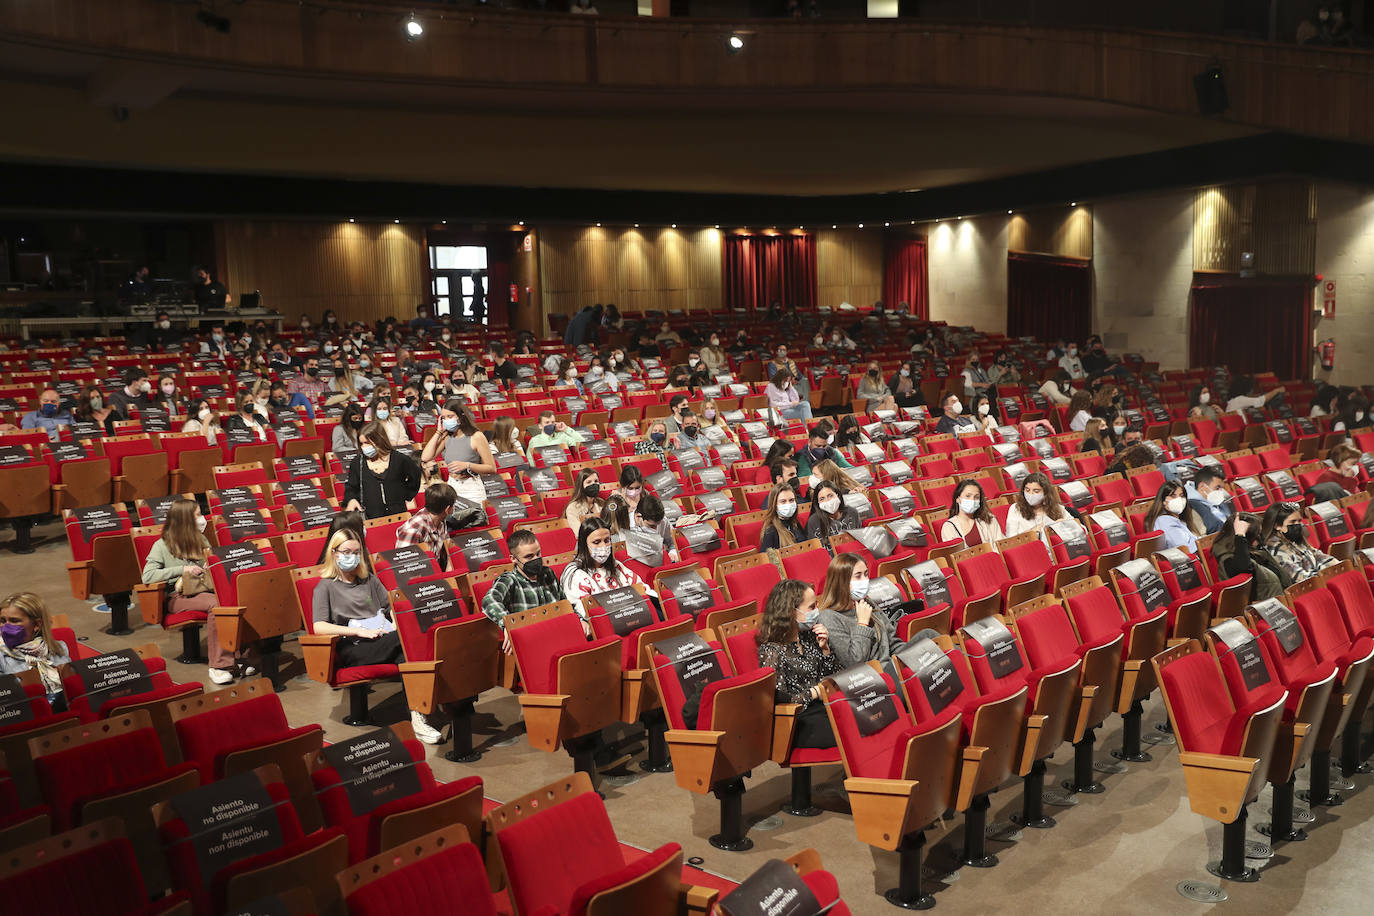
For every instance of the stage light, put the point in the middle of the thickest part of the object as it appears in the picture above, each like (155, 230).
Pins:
(598, 225)
(734, 44)
(414, 28)
(396, 221)
(886, 225)
(445, 222)
(834, 227)
(522, 222)
(636, 225)
(1073, 203)
(674, 226)
(861, 225)
(1008, 213)
(352, 220)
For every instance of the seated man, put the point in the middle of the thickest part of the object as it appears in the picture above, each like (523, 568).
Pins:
(428, 525)
(553, 431)
(1208, 498)
(955, 421)
(49, 416)
(817, 450)
(529, 585)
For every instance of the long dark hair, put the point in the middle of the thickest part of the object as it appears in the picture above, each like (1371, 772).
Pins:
(1273, 516)
(1050, 503)
(780, 449)
(848, 433)
(779, 623)
(583, 558)
(1167, 490)
(982, 515)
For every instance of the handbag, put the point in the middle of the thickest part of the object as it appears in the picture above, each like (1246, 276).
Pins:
(188, 586)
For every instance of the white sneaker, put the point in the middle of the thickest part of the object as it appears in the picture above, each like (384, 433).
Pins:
(249, 671)
(221, 676)
(423, 730)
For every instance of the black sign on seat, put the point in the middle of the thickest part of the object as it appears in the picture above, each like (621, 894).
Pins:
(870, 701)
(433, 603)
(626, 610)
(374, 768)
(112, 676)
(999, 646)
(229, 820)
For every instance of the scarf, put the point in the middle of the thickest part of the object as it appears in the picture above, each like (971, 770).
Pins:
(34, 654)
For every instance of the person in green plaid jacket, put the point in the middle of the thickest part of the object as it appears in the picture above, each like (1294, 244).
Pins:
(530, 584)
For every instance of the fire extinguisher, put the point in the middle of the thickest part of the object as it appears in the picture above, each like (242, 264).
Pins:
(1327, 351)
(514, 293)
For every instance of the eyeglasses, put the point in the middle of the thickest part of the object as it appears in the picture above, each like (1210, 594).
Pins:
(347, 553)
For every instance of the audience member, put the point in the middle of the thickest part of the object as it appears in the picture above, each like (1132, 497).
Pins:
(797, 648)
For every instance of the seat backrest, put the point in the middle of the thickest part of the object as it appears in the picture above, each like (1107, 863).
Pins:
(87, 870)
(76, 764)
(1140, 587)
(221, 726)
(1355, 600)
(1198, 701)
(539, 643)
(1096, 614)
(868, 741)
(407, 880)
(935, 688)
(1181, 571)
(1028, 559)
(549, 852)
(738, 637)
(1047, 636)
(981, 569)
(1243, 662)
(1282, 634)
(995, 655)
(1321, 620)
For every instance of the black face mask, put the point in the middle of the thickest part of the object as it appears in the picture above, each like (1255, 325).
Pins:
(356, 422)
(533, 567)
(338, 373)
(689, 431)
(1295, 533)
(591, 490)
(312, 371)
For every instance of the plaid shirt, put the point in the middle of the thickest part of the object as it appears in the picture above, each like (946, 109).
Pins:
(423, 528)
(513, 592)
(304, 385)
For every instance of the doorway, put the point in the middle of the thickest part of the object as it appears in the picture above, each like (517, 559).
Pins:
(459, 276)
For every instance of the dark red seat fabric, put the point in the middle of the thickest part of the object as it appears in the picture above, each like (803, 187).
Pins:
(1206, 719)
(455, 873)
(364, 830)
(122, 762)
(103, 878)
(1356, 602)
(208, 738)
(1325, 627)
(880, 755)
(539, 647)
(1297, 669)
(1260, 695)
(627, 872)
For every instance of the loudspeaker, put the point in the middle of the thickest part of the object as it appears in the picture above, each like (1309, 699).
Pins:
(1210, 85)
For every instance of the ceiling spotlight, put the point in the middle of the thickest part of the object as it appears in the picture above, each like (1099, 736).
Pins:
(1008, 213)
(861, 225)
(445, 222)
(414, 28)
(717, 225)
(1073, 203)
(396, 221)
(886, 225)
(522, 222)
(352, 220)
(636, 225)
(734, 44)
(598, 225)
(674, 226)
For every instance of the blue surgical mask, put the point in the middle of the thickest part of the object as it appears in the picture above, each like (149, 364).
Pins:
(347, 561)
(810, 620)
(450, 424)
(48, 410)
(550, 429)
(383, 413)
(369, 450)
(858, 588)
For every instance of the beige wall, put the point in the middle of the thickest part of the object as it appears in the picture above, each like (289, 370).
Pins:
(363, 271)
(968, 272)
(1345, 253)
(1142, 273)
(849, 267)
(636, 269)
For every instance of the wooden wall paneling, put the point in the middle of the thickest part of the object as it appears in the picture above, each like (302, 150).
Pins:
(1277, 220)
(362, 271)
(849, 267)
(1065, 232)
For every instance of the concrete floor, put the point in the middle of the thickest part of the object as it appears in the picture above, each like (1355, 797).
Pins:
(1123, 851)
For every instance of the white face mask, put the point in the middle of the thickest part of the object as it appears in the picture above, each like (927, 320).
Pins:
(600, 554)
(1034, 499)
(429, 386)
(956, 407)
(813, 481)
(984, 409)
(200, 523)
(1118, 430)
(787, 510)
(1204, 398)
(906, 373)
(858, 588)
(164, 324)
(145, 386)
(169, 390)
(1175, 504)
(969, 506)
(1217, 497)
(204, 415)
(828, 506)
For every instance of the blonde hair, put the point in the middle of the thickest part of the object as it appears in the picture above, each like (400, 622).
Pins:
(33, 608)
(330, 569)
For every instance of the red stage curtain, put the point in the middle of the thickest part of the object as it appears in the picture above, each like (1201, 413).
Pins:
(1049, 298)
(1251, 326)
(905, 277)
(761, 269)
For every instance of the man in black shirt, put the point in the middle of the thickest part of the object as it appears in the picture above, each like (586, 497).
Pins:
(954, 421)
(133, 394)
(209, 293)
(1096, 362)
(504, 370)
(138, 288)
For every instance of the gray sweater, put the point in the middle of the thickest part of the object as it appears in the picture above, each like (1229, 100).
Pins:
(854, 644)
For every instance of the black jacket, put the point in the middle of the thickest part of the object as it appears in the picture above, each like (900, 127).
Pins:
(385, 493)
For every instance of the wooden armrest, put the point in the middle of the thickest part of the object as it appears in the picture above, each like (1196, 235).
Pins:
(319, 652)
(152, 602)
(784, 726)
(971, 762)
(1030, 746)
(883, 809)
(79, 574)
(699, 900)
(1217, 784)
(544, 700)
(689, 736)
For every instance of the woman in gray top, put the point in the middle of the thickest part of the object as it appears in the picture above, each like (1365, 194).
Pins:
(463, 449)
(858, 633)
(347, 592)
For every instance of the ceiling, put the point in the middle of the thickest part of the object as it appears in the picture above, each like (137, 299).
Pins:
(203, 119)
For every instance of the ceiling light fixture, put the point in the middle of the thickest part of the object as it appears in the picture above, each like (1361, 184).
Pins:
(1073, 203)
(886, 225)
(352, 220)
(414, 28)
(734, 44)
